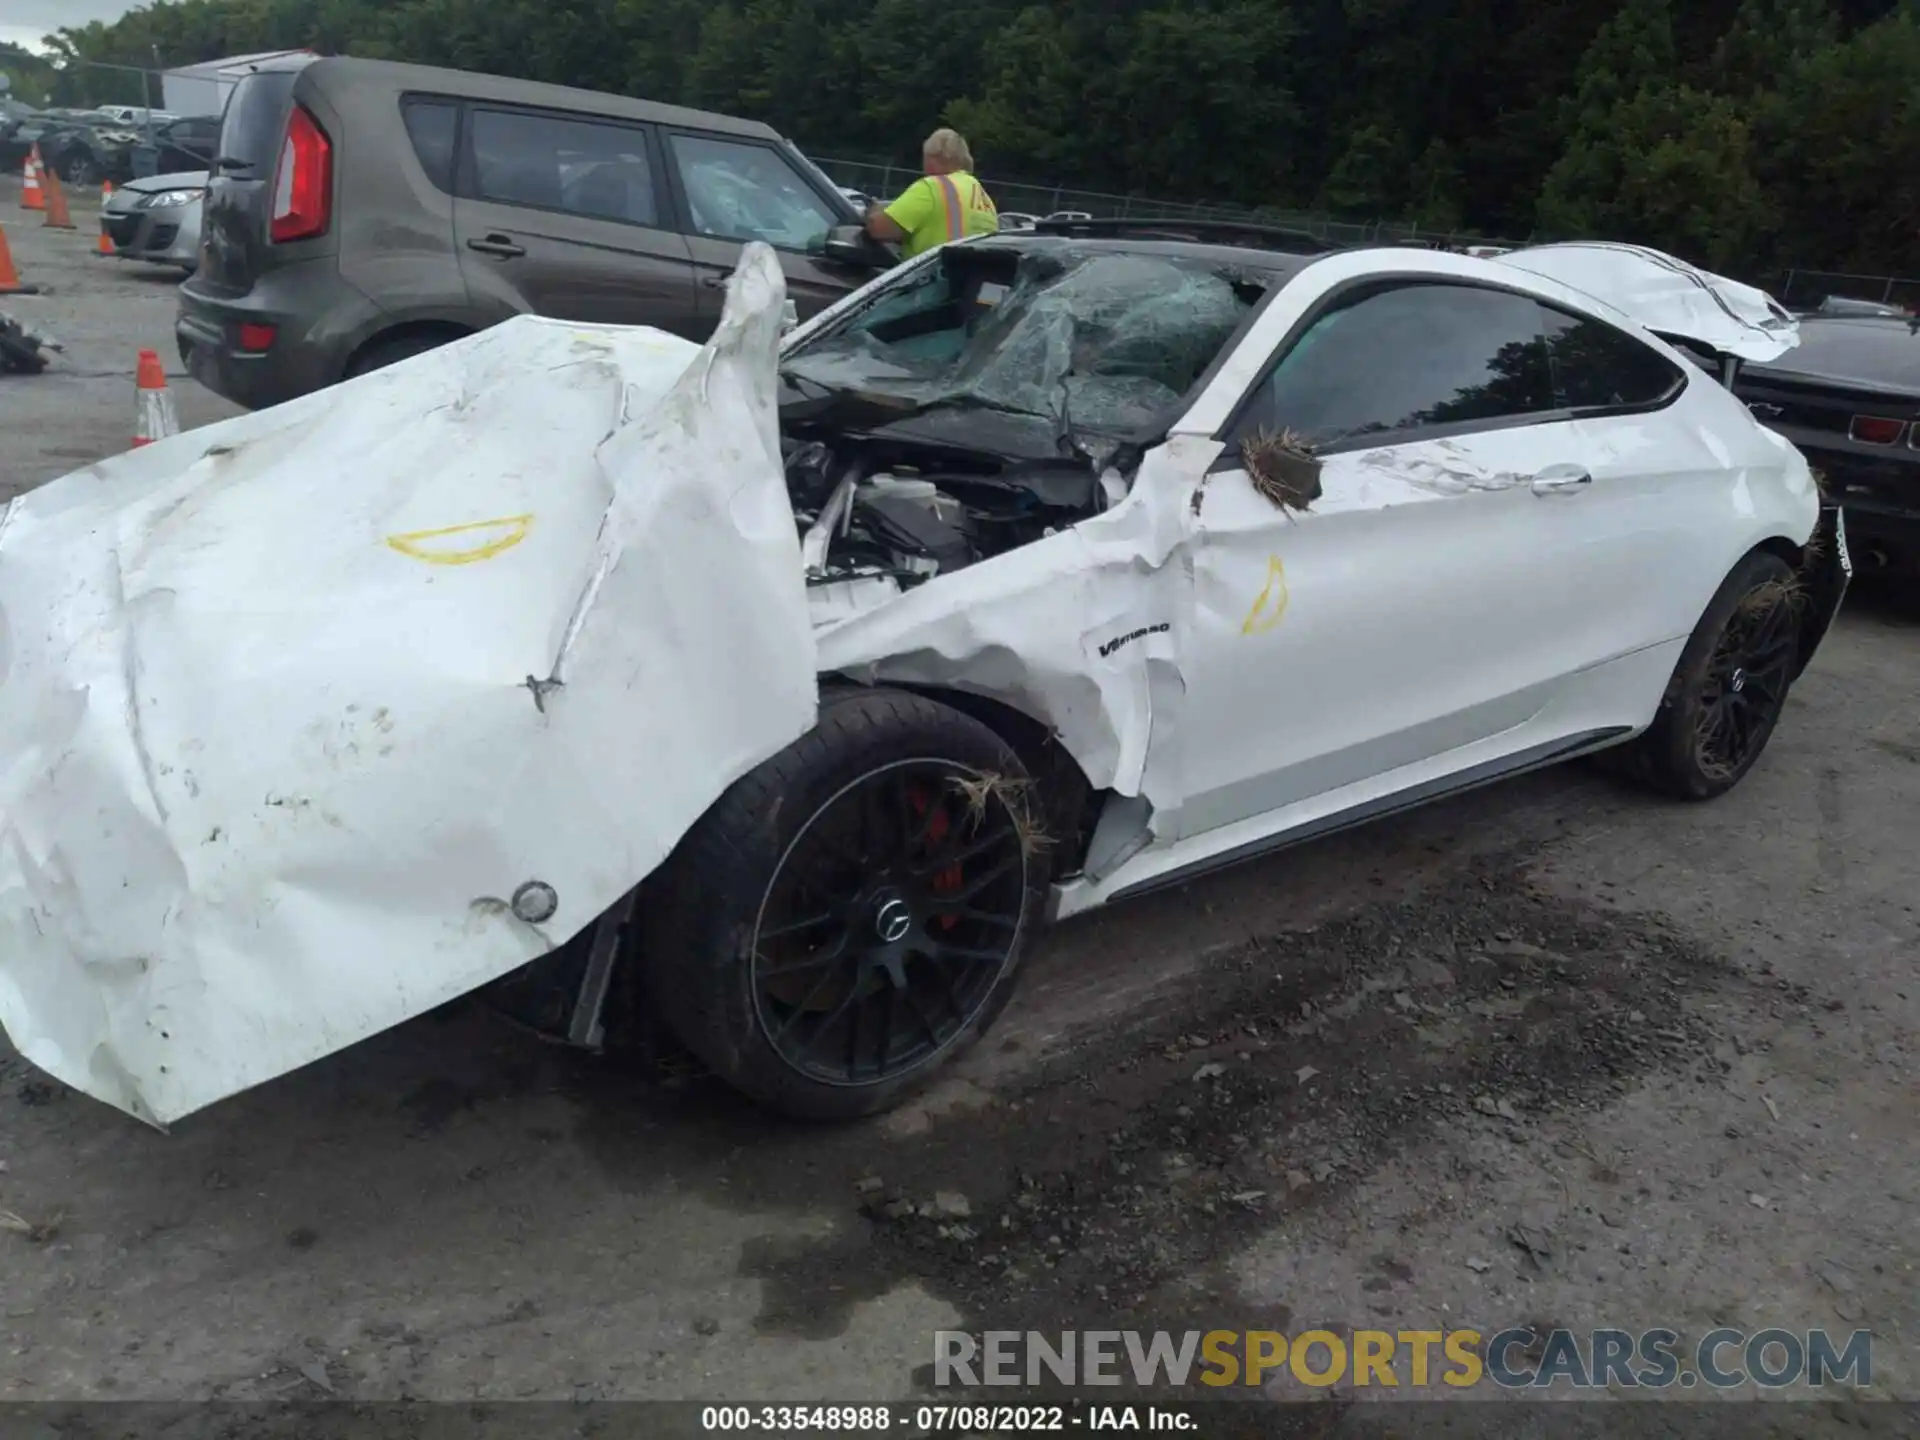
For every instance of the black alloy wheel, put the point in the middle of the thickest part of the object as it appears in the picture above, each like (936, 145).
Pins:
(1746, 682)
(851, 914)
(1730, 685)
(888, 922)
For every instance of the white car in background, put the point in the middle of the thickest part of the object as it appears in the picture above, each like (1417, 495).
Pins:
(783, 689)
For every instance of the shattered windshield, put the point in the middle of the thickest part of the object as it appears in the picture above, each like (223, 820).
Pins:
(1106, 341)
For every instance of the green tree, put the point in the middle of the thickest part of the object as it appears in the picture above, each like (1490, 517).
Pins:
(1211, 107)
(1024, 113)
(1672, 167)
(1370, 177)
(29, 76)
(1433, 188)
(1768, 40)
(1739, 132)
(1632, 52)
(1842, 147)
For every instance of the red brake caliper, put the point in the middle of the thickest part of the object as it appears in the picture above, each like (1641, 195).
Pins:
(948, 880)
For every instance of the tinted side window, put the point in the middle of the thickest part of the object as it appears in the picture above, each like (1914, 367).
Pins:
(432, 126)
(1408, 358)
(740, 191)
(1598, 367)
(581, 166)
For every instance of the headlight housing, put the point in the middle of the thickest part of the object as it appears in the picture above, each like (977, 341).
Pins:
(172, 199)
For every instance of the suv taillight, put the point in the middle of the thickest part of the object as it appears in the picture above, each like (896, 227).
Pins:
(303, 187)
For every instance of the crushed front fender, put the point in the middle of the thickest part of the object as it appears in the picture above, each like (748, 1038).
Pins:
(319, 717)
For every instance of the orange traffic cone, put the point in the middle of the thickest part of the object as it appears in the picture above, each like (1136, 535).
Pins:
(30, 196)
(10, 282)
(57, 216)
(157, 417)
(104, 245)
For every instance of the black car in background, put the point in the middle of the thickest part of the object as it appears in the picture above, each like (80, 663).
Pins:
(1849, 396)
(84, 150)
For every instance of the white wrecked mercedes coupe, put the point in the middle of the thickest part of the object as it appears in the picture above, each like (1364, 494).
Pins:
(779, 690)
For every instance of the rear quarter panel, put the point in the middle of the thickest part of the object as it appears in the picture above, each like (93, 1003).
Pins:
(1681, 496)
(394, 226)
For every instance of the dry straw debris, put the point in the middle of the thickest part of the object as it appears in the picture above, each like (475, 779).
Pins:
(1283, 468)
(1016, 795)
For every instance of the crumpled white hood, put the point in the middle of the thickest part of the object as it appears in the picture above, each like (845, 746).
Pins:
(293, 706)
(1667, 296)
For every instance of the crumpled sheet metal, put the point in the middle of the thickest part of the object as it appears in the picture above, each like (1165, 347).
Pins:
(272, 768)
(1079, 630)
(1667, 295)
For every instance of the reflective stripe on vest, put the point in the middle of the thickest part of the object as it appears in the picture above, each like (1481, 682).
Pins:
(950, 201)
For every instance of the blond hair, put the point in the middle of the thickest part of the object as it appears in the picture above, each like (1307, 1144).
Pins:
(948, 148)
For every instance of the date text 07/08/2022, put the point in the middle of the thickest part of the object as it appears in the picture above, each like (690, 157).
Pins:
(922, 1419)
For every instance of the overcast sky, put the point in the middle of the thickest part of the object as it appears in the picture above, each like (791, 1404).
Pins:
(25, 21)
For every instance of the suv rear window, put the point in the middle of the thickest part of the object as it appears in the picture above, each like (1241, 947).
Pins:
(256, 120)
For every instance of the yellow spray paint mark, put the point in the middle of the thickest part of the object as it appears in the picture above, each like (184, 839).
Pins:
(479, 540)
(1272, 601)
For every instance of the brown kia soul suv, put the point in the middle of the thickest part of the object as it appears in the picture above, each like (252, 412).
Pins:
(360, 212)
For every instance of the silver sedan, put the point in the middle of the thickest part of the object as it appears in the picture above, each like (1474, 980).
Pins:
(157, 219)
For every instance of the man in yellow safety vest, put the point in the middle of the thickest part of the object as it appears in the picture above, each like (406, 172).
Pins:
(944, 204)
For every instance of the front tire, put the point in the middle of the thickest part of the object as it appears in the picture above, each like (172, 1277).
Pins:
(1730, 686)
(851, 915)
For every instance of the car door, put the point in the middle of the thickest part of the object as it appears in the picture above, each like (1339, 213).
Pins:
(732, 190)
(561, 214)
(1436, 596)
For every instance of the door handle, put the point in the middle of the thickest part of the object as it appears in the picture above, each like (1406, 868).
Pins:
(498, 245)
(714, 282)
(1561, 479)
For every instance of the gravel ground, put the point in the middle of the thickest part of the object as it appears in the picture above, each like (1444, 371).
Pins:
(1555, 1053)
(104, 311)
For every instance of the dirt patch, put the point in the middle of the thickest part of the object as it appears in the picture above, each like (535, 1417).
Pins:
(1113, 1187)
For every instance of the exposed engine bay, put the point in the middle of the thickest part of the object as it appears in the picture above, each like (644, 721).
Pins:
(992, 397)
(873, 526)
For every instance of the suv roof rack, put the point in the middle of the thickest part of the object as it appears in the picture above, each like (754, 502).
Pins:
(1248, 233)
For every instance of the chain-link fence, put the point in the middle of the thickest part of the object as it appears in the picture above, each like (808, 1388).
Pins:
(884, 181)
